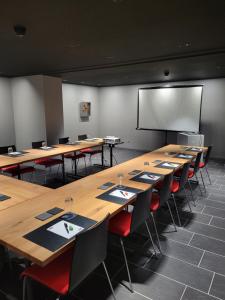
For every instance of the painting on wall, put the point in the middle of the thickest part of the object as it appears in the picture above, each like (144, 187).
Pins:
(85, 109)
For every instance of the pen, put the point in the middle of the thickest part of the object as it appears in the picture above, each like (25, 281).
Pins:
(122, 193)
(66, 226)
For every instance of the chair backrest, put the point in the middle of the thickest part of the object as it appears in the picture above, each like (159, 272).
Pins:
(36, 145)
(82, 137)
(63, 140)
(4, 149)
(165, 191)
(90, 251)
(184, 175)
(197, 161)
(141, 209)
(206, 159)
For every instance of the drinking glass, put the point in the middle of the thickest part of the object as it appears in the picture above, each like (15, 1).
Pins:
(69, 201)
(10, 150)
(120, 176)
(44, 144)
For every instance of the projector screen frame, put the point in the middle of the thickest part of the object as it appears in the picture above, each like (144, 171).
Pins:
(167, 87)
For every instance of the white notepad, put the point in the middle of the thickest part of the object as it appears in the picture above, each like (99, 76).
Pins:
(150, 177)
(15, 153)
(65, 229)
(185, 156)
(172, 165)
(122, 194)
(46, 148)
(195, 149)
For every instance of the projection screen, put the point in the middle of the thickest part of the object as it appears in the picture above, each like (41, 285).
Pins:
(170, 108)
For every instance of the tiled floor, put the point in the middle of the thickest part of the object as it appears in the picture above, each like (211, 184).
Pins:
(192, 266)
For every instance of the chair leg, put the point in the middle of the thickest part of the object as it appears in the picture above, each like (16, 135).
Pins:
(156, 231)
(150, 236)
(186, 196)
(128, 271)
(207, 172)
(85, 165)
(110, 283)
(191, 191)
(202, 180)
(24, 288)
(171, 215)
(199, 184)
(175, 204)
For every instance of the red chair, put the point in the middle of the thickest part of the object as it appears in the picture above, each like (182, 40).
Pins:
(159, 198)
(73, 156)
(15, 170)
(89, 151)
(67, 271)
(46, 162)
(125, 223)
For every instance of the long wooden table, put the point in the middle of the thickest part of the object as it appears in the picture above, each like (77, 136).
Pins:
(34, 154)
(17, 221)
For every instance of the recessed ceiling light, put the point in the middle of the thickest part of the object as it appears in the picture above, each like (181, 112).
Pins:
(20, 30)
(187, 44)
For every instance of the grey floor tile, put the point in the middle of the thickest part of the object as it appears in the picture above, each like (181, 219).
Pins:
(210, 231)
(217, 196)
(152, 285)
(183, 272)
(191, 294)
(218, 287)
(218, 222)
(208, 244)
(213, 203)
(181, 251)
(212, 211)
(213, 262)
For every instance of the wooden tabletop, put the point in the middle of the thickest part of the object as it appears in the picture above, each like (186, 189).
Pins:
(17, 221)
(33, 154)
(18, 191)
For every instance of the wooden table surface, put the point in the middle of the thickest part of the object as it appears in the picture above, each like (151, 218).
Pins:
(18, 191)
(17, 221)
(34, 154)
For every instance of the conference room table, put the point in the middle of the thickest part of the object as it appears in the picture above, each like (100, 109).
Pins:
(29, 155)
(19, 220)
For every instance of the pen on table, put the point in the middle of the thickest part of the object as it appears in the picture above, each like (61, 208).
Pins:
(66, 226)
(122, 193)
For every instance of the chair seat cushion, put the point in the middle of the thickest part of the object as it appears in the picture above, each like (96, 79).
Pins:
(201, 165)
(55, 275)
(120, 224)
(13, 170)
(155, 202)
(190, 173)
(174, 188)
(48, 162)
(91, 151)
(74, 156)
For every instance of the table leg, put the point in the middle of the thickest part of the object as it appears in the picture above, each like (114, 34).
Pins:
(102, 155)
(111, 155)
(63, 168)
(75, 165)
(18, 172)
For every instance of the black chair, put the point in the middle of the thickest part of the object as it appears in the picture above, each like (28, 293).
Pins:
(67, 271)
(179, 185)
(124, 223)
(46, 161)
(159, 199)
(15, 170)
(204, 163)
(73, 156)
(89, 151)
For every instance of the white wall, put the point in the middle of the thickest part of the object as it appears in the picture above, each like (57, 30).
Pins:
(7, 133)
(72, 96)
(118, 115)
(29, 110)
(53, 109)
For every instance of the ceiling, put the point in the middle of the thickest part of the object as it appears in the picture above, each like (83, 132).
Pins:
(114, 42)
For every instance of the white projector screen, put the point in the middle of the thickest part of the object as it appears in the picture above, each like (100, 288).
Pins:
(170, 109)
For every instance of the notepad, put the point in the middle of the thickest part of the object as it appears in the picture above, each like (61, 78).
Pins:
(122, 194)
(171, 165)
(45, 148)
(15, 153)
(150, 177)
(65, 229)
(184, 156)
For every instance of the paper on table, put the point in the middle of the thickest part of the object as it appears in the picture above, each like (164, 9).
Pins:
(195, 149)
(185, 156)
(170, 165)
(46, 147)
(15, 153)
(65, 229)
(122, 194)
(150, 177)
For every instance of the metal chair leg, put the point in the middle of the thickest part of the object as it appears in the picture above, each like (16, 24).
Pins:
(199, 184)
(24, 288)
(175, 204)
(202, 180)
(128, 272)
(191, 192)
(85, 165)
(186, 196)
(207, 172)
(110, 283)
(150, 236)
(156, 231)
(171, 215)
